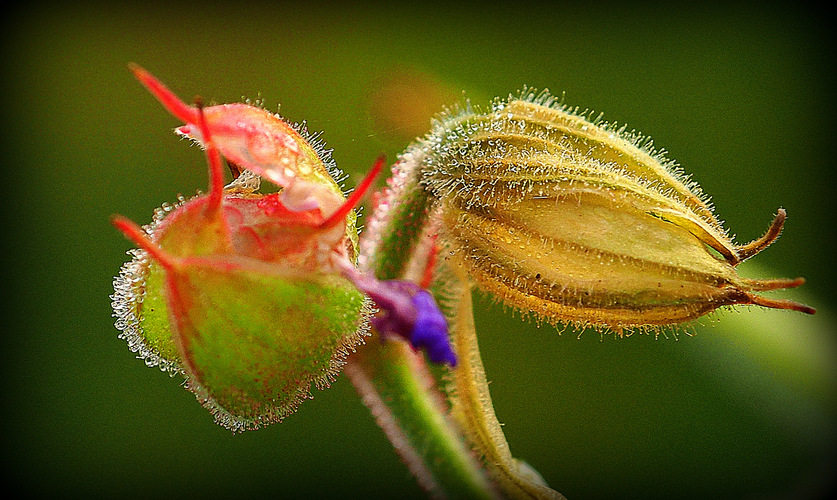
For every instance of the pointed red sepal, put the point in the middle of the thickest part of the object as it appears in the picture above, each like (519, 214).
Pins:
(135, 233)
(216, 166)
(186, 113)
(356, 196)
(744, 252)
(430, 267)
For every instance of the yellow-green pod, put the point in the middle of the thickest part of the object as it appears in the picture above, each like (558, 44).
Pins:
(580, 221)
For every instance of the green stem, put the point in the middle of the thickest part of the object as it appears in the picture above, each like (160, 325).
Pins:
(393, 384)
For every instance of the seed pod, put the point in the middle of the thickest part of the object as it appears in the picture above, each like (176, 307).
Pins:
(243, 292)
(578, 221)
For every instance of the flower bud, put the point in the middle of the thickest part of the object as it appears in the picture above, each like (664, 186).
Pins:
(579, 221)
(239, 291)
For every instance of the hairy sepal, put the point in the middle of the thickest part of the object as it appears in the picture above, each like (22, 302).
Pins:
(580, 221)
(256, 341)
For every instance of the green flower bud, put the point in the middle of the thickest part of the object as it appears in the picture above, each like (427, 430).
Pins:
(579, 221)
(243, 293)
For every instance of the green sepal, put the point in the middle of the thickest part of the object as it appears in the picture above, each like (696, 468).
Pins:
(256, 342)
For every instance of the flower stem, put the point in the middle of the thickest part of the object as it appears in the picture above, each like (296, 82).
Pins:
(394, 381)
(473, 408)
(395, 386)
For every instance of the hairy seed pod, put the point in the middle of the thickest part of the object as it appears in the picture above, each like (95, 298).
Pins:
(579, 221)
(242, 292)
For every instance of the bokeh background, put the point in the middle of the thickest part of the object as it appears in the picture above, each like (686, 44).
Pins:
(742, 96)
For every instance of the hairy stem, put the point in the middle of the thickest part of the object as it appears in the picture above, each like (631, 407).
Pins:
(397, 387)
(394, 385)
(393, 381)
(473, 408)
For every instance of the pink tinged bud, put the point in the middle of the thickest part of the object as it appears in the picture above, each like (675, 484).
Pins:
(239, 291)
(253, 139)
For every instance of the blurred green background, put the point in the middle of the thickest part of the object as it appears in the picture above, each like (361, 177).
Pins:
(742, 96)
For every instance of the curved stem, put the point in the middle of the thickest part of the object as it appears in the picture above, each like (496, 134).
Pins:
(473, 408)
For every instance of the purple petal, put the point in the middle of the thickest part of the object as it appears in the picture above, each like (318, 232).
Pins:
(430, 330)
(409, 311)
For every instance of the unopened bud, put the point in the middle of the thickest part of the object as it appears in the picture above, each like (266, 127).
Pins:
(579, 221)
(242, 292)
